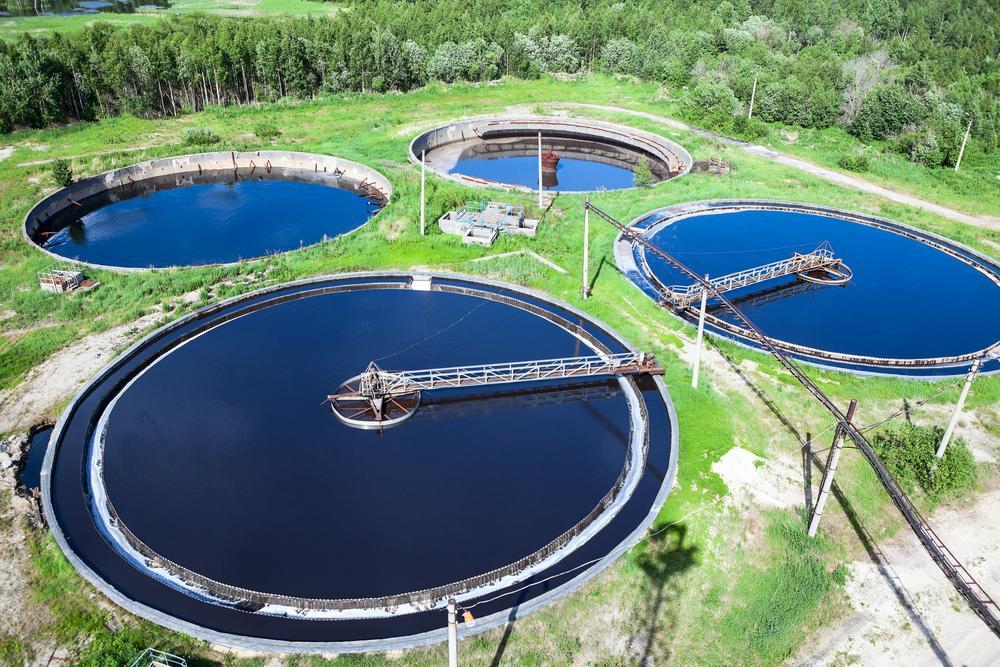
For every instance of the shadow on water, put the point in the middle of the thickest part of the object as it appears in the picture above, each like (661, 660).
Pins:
(663, 556)
(875, 554)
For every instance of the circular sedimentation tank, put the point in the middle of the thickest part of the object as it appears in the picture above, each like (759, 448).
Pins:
(201, 481)
(578, 155)
(204, 209)
(912, 303)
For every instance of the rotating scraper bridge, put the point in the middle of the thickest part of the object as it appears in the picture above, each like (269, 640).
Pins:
(379, 398)
(963, 581)
(820, 265)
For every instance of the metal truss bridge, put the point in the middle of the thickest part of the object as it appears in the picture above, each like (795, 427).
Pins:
(378, 398)
(962, 580)
(821, 259)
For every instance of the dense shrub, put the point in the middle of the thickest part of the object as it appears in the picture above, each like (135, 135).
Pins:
(713, 99)
(62, 173)
(854, 162)
(265, 129)
(884, 113)
(908, 451)
(200, 136)
(642, 175)
(475, 60)
(621, 56)
(748, 129)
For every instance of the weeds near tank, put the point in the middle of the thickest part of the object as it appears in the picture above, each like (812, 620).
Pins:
(29, 350)
(642, 175)
(266, 129)
(200, 136)
(76, 618)
(908, 451)
(854, 162)
(62, 173)
(13, 651)
(777, 597)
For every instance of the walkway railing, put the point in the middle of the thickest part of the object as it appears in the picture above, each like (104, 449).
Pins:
(375, 382)
(152, 657)
(681, 296)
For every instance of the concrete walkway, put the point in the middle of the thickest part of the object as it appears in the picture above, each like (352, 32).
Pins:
(985, 222)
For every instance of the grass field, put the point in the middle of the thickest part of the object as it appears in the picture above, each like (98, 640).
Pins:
(703, 592)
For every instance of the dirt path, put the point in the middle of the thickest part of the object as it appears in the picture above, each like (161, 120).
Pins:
(57, 378)
(985, 222)
(906, 612)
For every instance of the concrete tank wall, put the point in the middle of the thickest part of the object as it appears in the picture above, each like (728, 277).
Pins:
(677, 160)
(313, 167)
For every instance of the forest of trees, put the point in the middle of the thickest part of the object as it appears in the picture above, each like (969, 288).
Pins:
(908, 72)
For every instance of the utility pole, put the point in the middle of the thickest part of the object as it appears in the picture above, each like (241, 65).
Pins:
(423, 180)
(973, 372)
(961, 151)
(753, 94)
(831, 468)
(586, 248)
(540, 205)
(701, 334)
(452, 634)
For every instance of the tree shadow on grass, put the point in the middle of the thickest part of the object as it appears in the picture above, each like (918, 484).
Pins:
(663, 556)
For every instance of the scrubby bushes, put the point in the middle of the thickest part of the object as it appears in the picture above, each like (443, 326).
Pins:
(854, 162)
(62, 173)
(621, 56)
(200, 136)
(908, 451)
(642, 175)
(265, 129)
(884, 113)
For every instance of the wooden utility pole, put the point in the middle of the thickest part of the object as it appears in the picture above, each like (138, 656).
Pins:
(753, 94)
(452, 634)
(831, 467)
(586, 248)
(423, 180)
(973, 372)
(540, 205)
(961, 151)
(701, 334)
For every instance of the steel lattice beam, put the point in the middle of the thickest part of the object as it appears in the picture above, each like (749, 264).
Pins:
(375, 382)
(822, 257)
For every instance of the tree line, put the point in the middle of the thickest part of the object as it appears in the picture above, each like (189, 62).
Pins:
(912, 73)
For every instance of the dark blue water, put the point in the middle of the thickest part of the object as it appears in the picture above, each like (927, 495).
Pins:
(906, 300)
(210, 223)
(573, 174)
(31, 473)
(222, 458)
(72, 512)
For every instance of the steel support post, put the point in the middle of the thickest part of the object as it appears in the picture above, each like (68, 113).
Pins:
(948, 432)
(831, 467)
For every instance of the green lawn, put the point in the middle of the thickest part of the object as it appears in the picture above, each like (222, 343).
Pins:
(699, 593)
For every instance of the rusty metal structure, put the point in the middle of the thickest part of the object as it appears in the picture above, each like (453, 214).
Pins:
(964, 583)
(378, 398)
(820, 265)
